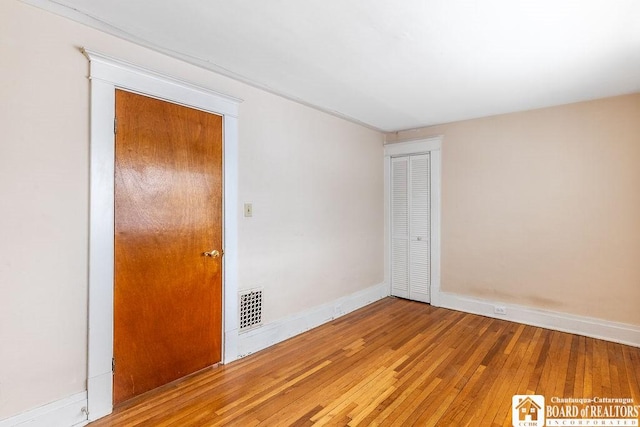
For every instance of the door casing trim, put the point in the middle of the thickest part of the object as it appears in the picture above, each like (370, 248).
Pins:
(106, 75)
(433, 146)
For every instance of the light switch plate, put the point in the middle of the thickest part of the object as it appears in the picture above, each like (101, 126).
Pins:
(248, 210)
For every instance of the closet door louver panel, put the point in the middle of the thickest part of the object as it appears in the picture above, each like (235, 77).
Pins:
(419, 228)
(400, 227)
(411, 227)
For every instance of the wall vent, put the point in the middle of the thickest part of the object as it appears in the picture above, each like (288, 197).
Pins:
(250, 309)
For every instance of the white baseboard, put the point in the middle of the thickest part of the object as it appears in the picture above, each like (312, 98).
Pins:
(275, 332)
(591, 327)
(65, 412)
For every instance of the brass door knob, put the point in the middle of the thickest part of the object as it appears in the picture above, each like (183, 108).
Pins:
(213, 254)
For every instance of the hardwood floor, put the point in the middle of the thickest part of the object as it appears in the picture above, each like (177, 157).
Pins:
(395, 362)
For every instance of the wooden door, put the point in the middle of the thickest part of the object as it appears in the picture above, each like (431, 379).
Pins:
(168, 214)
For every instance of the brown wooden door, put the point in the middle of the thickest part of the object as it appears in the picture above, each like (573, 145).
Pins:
(168, 212)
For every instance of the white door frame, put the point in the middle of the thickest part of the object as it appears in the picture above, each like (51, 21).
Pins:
(433, 146)
(108, 74)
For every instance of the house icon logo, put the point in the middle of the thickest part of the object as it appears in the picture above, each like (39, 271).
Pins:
(527, 411)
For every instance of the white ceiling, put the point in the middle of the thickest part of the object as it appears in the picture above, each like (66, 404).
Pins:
(394, 65)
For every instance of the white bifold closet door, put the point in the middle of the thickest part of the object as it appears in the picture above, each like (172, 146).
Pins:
(411, 227)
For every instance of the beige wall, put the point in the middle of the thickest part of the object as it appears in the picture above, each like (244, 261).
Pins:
(316, 183)
(542, 208)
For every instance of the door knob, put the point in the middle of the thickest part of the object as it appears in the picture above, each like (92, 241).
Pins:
(213, 254)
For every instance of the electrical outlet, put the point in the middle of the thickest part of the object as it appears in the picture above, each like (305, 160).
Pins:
(500, 309)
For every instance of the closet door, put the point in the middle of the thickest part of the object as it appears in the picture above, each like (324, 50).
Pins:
(400, 227)
(410, 227)
(419, 228)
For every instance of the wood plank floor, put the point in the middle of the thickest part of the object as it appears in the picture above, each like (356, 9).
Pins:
(396, 363)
